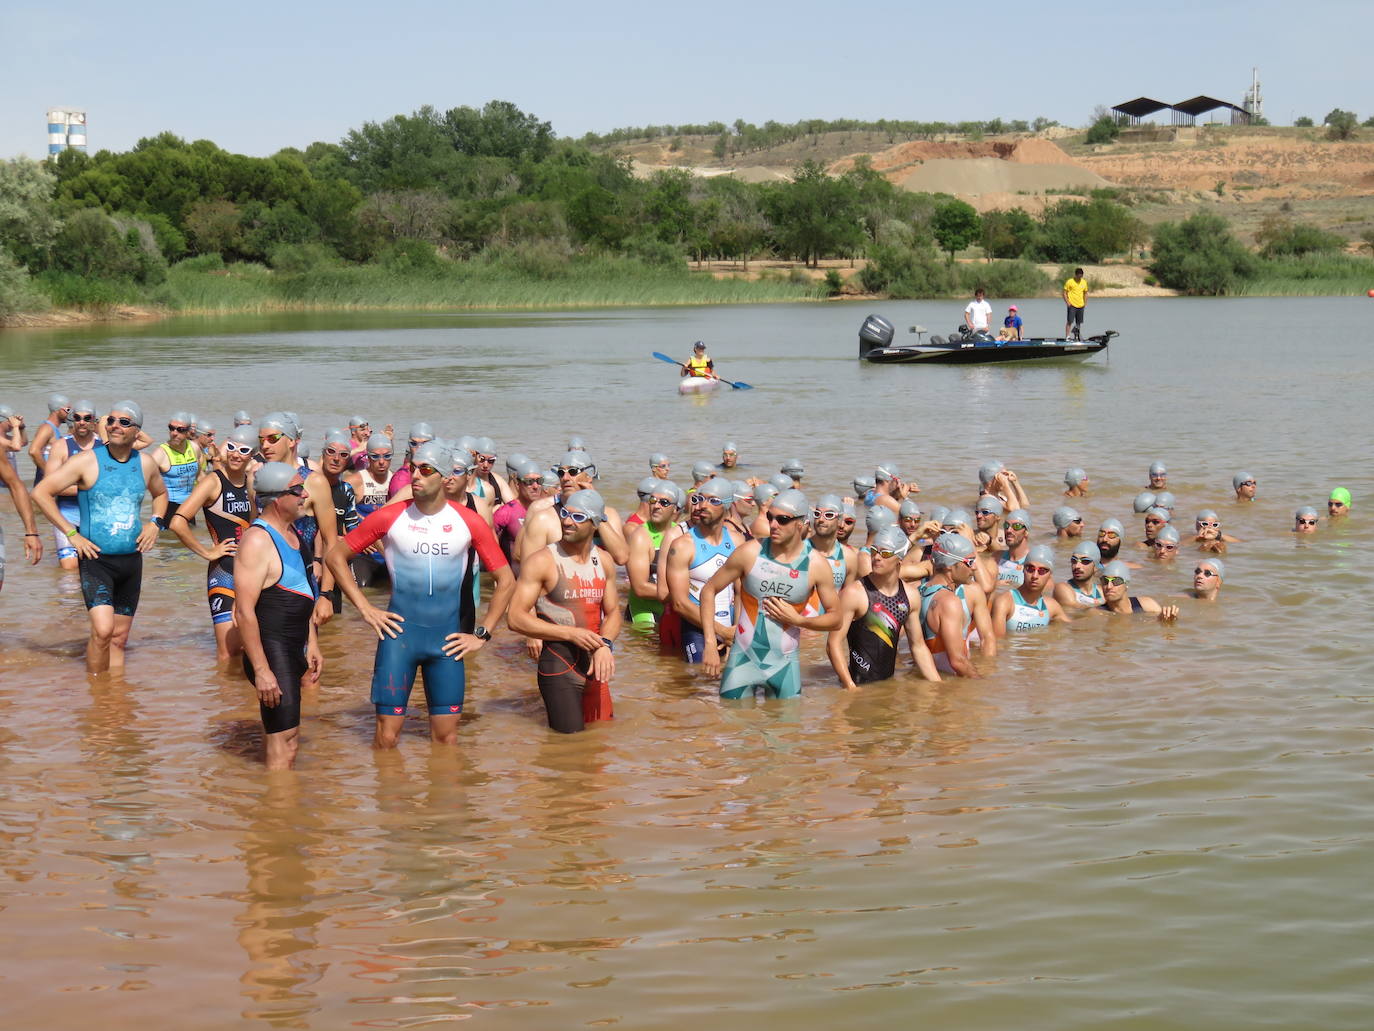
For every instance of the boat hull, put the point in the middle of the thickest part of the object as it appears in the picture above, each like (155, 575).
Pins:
(977, 354)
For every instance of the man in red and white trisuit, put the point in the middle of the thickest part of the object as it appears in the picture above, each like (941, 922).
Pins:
(428, 541)
(567, 598)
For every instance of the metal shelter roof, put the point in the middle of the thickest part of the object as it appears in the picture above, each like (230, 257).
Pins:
(1202, 104)
(1140, 107)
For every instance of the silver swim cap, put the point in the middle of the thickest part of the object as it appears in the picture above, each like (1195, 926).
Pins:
(891, 538)
(337, 437)
(242, 418)
(356, 421)
(486, 446)
(462, 461)
(764, 493)
(1074, 477)
(131, 409)
(244, 435)
(205, 426)
(1216, 564)
(379, 442)
(580, 460)
(730, 447)
(1159, 513)
(1112, 526)
(1041, 555)
(990, 503)
(863, 483)
(6, 412)
(1239, 478)
(1306, 511)
(909, 509)
(514, 461)
(850, 512)
(1206, 514)
(1164, 500)
(56, 401)
(577, 444)
(666, 489)
(1167, 535)
(879, 516)
(989, 472)
(184, 417)
(718, 488)
(657, 458)
(645, 490)
(951, 549)
(84, 407)
(706, 470)
(272, 479)
(681, 496)
(1157, 469)
(279, 422)
(793, 467)
(1020, 515)
(743, 492)
(1087, 550)
(296, 421)
(1117, 568)
(548, 479)
(1144, 501)
(938, 514)
(829, 503)
(1064, 515)
(587, 502)
(435, 453)
(957, 517)
(781, 480)
(527, 469)
(886, 472)
(467, 442)
(421, 431)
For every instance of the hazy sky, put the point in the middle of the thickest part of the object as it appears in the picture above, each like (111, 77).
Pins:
(255, 76)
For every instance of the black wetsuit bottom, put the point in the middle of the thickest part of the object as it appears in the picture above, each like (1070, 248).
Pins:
(572, 699)
(287, 662)
(114, 580)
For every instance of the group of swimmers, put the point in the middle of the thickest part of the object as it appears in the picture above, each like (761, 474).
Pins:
(727, 573)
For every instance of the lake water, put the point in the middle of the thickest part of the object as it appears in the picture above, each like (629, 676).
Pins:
(1119, 824)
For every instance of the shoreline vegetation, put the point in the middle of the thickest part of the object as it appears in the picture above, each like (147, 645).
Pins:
(486, 209)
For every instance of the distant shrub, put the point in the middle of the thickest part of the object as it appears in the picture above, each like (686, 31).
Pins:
(1104, 130)
(73, 290)
(211, 262)
(17, 292)
(1282, 237)
(834, 282)
(1004, 278)
(1200, 256)
(907, 272)
(296, 258)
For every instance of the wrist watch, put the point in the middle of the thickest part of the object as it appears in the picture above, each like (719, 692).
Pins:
(610, 645)
(159, 522)
(482, 634)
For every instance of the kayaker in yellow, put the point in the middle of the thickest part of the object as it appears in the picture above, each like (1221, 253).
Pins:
(700, 363)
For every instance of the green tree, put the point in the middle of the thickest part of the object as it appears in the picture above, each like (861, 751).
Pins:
(28, 218)
(1073, 230)
(815, 215)
(1340, 125)
(16, 289)
(1302, 122)
(740, 228)
(501, 130)
(1104, 130)
(955, 225)
(1200, 256)
(1006, 234)
(213, 227)
(1282, 237)
(91, 245)
(907, 272)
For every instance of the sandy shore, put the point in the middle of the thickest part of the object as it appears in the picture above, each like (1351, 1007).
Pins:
(58, 317)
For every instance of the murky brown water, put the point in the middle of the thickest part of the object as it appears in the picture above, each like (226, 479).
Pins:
(1119, 825)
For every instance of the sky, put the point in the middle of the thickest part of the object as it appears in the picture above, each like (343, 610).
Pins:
(255, 76)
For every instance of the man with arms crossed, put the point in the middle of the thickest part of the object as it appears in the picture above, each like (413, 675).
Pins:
(874, 611)
(110, 543)
(428, 540)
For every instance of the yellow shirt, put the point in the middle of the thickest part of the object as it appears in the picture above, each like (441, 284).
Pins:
(699, 366)
(1077, 291)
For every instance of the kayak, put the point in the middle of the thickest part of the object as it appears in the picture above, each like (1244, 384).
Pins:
(697, 384)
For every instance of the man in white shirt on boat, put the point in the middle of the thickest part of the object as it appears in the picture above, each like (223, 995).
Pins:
(978, 313)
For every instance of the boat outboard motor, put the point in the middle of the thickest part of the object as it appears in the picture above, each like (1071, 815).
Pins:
(876, 332)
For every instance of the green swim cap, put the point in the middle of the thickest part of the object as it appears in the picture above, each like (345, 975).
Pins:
(1342, 495)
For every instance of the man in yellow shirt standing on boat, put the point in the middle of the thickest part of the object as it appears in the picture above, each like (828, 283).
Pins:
(700, 363)
(1076, 297)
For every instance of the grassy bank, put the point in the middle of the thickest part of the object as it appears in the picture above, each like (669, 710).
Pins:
(605, 282)
(1311, 275)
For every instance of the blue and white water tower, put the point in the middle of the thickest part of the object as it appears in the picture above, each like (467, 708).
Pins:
(66, 130)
